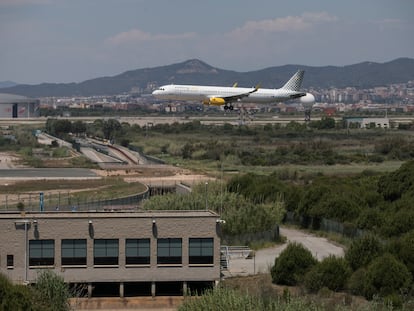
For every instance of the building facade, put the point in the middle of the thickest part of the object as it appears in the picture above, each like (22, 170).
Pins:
(16, 106)
(120, 253)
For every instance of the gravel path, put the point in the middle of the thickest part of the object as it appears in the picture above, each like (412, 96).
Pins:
(265, 258)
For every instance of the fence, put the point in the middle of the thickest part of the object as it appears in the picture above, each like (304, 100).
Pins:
(323, 224)
(247, 238)
(67, 201)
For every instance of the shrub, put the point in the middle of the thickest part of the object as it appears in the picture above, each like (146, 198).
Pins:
(386, 276)
(53, 290)
(221, 298)
(331, 273)
(404, 250)
(356, 283)
(20, 206)
(19, 297)
(362, 251)
(292, 264)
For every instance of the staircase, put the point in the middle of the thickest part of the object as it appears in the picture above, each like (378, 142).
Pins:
(224, 258)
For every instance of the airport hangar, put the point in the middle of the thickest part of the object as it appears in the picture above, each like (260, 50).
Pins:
(16, 106)
(117, 254)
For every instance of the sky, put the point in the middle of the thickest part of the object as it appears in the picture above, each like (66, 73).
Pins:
(64, 41)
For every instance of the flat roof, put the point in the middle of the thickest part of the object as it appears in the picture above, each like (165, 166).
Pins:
(12, 98)
(105, 214)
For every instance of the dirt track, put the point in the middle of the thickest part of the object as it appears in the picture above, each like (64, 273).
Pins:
(9, 161)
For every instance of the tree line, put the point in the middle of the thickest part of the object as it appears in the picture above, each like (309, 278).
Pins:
(257, 145)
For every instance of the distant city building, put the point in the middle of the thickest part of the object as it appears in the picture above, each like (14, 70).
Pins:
(15, 106)
(367, 122)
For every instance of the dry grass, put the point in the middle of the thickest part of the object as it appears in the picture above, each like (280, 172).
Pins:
(261, 286)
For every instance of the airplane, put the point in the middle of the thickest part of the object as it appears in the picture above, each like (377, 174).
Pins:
(219, 95)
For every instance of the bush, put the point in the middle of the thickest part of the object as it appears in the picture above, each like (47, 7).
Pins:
(356, 283)
(292, 264)
(222, 298)
(53, 290)
(362, 251)
(386, 276)
(403, 249)
(331, 273)
(20, 206)
(19, 297)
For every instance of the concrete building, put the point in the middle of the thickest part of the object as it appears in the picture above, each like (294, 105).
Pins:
(114, 253)
(360, 122)
(15, 106)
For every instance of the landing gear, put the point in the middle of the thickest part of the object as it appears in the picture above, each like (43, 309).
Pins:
(308, 115)
(244, 115)
(228, 107)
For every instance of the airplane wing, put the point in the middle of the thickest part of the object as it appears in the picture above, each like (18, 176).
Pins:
(233, 98)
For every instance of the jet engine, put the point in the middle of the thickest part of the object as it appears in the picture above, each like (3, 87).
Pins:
(217, 101)
(308, 99)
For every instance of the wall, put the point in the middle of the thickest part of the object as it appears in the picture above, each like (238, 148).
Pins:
(116, 225)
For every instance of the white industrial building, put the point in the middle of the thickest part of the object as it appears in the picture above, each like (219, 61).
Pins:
(16, 106)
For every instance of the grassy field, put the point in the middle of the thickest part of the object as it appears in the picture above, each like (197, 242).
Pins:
(65, 192)
(294, 152)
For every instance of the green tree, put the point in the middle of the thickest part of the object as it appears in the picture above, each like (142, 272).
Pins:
(386, 276)
(403, 249)
(292, 264)
(393, 185)
(111, 128)
(357, 281)
(332, 272)
(362, 251)
(324, 123)
(62, 127)
(78, 127)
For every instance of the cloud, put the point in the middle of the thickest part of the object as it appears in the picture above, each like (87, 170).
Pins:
(393, 24)
(261, 38)
(137, 35)
(286, 24)
(23, 2)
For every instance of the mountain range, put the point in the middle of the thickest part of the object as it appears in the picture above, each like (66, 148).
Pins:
(4, 84)
(361, 75)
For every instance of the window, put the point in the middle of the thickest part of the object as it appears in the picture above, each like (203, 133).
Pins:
(73, 252)
(10, 261)
(201, 251)
(105, 252)
(169, 251)
(137, 251)
(41, 252)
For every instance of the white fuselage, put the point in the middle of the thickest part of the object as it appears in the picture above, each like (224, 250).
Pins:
(205, 93)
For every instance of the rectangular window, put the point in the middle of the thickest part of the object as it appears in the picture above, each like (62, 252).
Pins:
(10, 261)
(201, 251)
(169, 251)
(41, 252)
(137, 251)
(105, 252)
(73, 252)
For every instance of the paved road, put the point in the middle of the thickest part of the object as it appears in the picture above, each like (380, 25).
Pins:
(265, 258)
